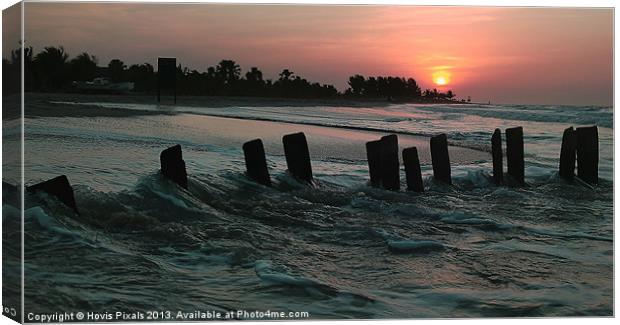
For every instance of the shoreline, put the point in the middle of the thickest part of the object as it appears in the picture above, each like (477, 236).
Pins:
(207, 100)
(34, 100)
(43, 105)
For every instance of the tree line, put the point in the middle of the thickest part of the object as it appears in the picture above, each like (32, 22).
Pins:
(52, 70)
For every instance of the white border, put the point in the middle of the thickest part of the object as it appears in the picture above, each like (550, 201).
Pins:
(511, 3)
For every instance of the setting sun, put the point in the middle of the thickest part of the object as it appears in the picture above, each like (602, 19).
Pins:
(441, 78)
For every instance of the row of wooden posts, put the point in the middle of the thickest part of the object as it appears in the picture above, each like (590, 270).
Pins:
(579, 146)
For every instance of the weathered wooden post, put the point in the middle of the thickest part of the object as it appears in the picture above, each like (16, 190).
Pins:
(587, 154)
(173, 165)
(373, 154)
(567, 155)
(498, 157)
(166, 76)
(390, 165)
(58, 187)
(255, 162)
(297, 156)
(10, 194)
(514, 154)
(413, 172)
(441, 159)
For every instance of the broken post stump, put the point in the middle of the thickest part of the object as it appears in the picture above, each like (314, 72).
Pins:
(373, 154)
(587, 154)
(390, 165)
(514, 154)
(297, 156)
(58, 187)
(498, 157)
(255, 162)
(567, 155)
(413, 172)
(173, 165)
(441, 159)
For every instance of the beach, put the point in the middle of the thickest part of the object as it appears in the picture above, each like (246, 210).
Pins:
(336, 249)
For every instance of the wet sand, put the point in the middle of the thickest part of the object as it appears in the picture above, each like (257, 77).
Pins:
(324, 142)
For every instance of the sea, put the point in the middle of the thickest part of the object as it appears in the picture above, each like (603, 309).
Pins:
(334, 249)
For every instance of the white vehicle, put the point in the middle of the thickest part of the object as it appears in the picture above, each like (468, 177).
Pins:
(104, 85)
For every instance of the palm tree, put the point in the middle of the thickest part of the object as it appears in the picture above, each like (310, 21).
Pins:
(255, 82)
(83, 67)
(50, 65)
(229, 71)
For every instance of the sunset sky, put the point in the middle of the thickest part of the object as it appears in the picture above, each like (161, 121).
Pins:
(506, 55)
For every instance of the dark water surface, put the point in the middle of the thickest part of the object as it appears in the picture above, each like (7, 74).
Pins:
(340, 249)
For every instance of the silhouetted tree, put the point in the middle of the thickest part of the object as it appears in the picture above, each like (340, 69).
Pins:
(50, 70)
(254, 81)
(11, 74)
(116, 70)
(286, 75)
(50, 66)
(357, 83)
(450, 94)
(413, 89)
(228, 71)
(83, 67)
(143, 77)
(383, 87)
(227, 74)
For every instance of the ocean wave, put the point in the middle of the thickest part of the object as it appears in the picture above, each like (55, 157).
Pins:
(551, 114)
(414, 246)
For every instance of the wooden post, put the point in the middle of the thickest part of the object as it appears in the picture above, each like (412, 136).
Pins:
(373, 154)
(255, 162)
(173, 165)
(441, 159)
(514, 154)
(413, 172)
(297, 156)
(567, 155)
(498, 156)
(58, 187)
(390, 165)
(587, 154)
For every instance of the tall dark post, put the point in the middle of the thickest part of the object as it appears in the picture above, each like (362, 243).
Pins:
(587, 154)
(173, 165)
(166, 76)
(567, 155)
(297, 156)
(58, 187)
(413, 172)
(498, 156)
(514, 154)
(390, 165)
(441, 159)
(373, 153)
(255, 161)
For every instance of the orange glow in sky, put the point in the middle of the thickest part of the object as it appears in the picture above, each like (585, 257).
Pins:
(502, 54)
